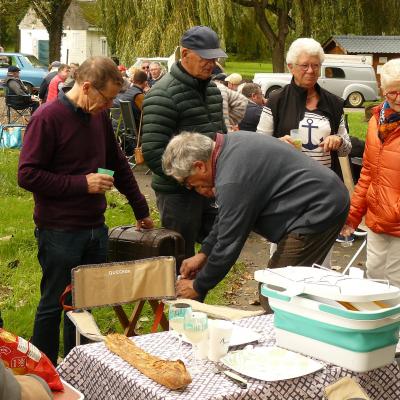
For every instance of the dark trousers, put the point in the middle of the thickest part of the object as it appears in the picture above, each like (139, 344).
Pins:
(189, 214)
(305, 249)
(1, 321)
(59, 252)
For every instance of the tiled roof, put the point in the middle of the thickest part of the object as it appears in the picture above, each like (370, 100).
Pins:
(368, 44)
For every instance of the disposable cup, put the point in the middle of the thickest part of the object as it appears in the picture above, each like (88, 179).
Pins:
(220, 333)
(105, 171)
(296, 137)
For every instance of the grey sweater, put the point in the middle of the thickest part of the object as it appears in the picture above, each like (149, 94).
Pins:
(265, 185)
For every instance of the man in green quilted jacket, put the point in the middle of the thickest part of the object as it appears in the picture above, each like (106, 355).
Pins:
(185, 99)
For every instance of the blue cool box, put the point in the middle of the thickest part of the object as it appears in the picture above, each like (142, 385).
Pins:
(359, 339)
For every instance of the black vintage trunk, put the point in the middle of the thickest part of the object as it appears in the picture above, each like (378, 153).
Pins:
(127, 243)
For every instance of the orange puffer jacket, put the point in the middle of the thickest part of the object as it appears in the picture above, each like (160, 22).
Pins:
(377, 193)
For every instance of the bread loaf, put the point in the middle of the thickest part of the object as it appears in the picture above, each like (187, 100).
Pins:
(172, 374)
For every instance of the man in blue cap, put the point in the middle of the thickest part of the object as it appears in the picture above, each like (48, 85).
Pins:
(185, 99)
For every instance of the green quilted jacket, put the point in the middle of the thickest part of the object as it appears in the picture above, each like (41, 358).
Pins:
(178, 102)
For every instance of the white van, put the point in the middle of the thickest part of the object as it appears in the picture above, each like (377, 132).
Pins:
(353, 82)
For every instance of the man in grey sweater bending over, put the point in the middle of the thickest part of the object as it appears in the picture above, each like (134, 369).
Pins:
(259, 184)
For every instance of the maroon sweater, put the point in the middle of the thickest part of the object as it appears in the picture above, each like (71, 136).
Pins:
(61, 146)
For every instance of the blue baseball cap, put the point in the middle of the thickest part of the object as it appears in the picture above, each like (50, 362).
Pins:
(13, 68)
(204, 41)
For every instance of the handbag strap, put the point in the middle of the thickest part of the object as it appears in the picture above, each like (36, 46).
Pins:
(140, 130)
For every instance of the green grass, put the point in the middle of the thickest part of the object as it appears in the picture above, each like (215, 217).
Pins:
(357, 124)
(247, 68)
(20, 272)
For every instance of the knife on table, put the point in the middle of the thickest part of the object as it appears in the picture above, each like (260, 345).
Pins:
(234, 377)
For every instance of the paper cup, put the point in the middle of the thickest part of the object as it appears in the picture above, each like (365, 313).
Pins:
(296, 137)
(105, 171)
(220, 333)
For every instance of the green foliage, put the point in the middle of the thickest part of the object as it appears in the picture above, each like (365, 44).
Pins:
(143, 28)
(11, 14)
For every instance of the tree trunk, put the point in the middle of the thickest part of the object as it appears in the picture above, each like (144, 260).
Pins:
(55, 35)
(278, 57)
(277, 38)
(51, 13)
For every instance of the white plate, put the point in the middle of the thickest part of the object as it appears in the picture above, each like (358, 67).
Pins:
(240, 336)
(270, 363)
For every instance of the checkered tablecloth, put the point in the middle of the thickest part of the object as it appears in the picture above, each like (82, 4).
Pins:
(101, 375)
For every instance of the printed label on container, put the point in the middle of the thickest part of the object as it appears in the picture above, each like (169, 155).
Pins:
(34, 353)
(22, 345)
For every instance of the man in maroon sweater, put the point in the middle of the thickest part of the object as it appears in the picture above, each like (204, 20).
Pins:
(66, 141)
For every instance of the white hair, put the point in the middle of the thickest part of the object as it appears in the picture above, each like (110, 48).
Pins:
(304, 46)
(182, 151)
(390, 73)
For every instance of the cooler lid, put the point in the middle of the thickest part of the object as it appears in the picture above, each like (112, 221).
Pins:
(323, 282)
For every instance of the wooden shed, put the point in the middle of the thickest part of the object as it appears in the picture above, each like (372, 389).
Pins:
(380, 48)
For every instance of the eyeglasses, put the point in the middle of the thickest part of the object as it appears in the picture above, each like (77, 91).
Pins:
(145, 66)
(304, 67)
(106, 99)
(392, 95)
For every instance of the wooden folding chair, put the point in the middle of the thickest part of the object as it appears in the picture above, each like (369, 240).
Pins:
(98, 285)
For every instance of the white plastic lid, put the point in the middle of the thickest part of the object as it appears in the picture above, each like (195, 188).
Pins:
(326, 283)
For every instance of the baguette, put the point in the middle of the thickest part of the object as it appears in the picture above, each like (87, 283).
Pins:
(172, 374)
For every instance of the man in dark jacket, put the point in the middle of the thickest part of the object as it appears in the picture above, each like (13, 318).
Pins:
(134, 93)
(185, 99)
(44, 86)
(21, 97)
(256, 189)
(254, 107)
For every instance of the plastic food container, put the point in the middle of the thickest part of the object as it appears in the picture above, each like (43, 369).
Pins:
(353, 323)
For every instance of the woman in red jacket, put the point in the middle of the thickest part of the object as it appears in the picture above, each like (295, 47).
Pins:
(377, 194)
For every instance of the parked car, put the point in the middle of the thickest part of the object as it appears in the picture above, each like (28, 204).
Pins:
(32, 70)
(353, 82)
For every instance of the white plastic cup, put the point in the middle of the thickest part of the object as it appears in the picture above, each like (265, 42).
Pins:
(220, 333)
(296, 137)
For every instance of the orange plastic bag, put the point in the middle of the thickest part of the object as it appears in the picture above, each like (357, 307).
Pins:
(24, 358)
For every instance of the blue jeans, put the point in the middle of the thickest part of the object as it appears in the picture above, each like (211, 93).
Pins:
(59, 252)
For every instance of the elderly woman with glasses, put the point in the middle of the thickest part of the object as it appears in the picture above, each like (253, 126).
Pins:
(377, 194)
(304, 105)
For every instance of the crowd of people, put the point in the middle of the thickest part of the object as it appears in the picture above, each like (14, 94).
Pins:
(223, 164)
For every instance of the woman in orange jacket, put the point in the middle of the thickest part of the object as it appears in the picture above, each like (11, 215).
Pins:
(377, 194)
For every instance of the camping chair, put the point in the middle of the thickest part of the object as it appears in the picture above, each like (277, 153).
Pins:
(19, 107)
(98, 285)
(116, 119)
(130, 129)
